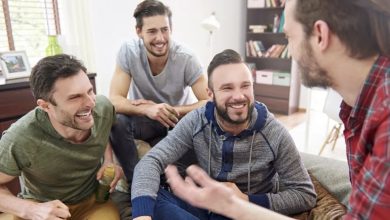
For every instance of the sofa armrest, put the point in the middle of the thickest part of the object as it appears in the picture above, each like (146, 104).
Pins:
(332, 174)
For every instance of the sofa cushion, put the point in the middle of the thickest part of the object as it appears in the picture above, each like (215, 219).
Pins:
(333, 175)
(327, 206)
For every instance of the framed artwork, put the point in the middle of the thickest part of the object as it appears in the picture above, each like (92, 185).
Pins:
(14, 64)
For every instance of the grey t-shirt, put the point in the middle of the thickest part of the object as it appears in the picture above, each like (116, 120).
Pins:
(172, 85)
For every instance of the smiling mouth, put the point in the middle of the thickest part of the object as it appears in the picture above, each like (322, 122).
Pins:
(237, 105)
(159, 45)
(84, 115)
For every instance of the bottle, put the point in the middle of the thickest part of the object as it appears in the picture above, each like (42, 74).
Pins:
(53, 48)
(103, 189)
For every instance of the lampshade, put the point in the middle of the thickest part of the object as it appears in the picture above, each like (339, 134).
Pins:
(211, 23)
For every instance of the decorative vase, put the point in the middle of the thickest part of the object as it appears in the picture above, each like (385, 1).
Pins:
(53, 48)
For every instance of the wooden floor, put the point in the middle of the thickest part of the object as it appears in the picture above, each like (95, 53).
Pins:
(292, 120)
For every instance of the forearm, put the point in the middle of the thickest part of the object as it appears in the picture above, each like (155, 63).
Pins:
(184, 109)
(13, 205)
(240, 209)
(108, 157)
(125, 106)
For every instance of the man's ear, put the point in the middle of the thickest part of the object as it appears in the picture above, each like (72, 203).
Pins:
(210, 93)
(138, 31)
(321, 33)
(43, 105)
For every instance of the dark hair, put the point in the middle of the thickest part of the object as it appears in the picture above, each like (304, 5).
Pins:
(362, 25)
(46, 72)
(227, 56)
(149, 8)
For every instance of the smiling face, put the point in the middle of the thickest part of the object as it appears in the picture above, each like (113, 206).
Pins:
(300, 47)
(155, 33)
(74, 101)
(232, 93)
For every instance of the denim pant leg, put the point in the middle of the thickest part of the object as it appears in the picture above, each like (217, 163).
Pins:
(170, 207)
(125, 130)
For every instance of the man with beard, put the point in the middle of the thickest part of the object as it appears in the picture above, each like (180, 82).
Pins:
(57, 147)
(237, 141)
(343, 45)
(151, 86)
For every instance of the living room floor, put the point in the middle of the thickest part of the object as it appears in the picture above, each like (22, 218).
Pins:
(310, 129)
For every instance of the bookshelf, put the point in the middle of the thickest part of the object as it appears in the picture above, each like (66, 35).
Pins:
(275, 84)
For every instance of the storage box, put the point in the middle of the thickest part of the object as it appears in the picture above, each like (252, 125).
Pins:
(281, 79)
(264, 77)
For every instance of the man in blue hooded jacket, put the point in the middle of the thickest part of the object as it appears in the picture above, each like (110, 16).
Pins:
(237, 141)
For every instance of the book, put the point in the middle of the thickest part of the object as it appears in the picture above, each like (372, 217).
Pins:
(256, 4)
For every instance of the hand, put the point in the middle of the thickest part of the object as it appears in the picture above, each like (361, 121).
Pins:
(48, 210)
(236, 190)
(210, 194)
(141, 101)
(118, 174)
(164, 113)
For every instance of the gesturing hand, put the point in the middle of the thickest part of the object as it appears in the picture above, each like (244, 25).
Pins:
(51, 210)
(208, 194)
(164, 113)
(236, 190)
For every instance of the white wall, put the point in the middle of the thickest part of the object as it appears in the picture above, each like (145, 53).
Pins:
(111, 23)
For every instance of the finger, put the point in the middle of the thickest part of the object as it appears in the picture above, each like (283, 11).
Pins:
(199, 176)
(99, 174)
(162, 121)
(61, 213)
(189, 181)
(169, 118)
(57, 203)
(172, 110)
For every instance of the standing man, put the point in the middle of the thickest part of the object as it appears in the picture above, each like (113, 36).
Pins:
(151, 86)
(57, 148)
(237, 141)
(343, 45)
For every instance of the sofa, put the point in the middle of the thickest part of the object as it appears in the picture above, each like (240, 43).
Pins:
(330, 177)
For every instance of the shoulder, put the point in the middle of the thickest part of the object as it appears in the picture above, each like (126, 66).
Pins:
(181, 51)
(131, 47)
(29, 125)
(103, 107)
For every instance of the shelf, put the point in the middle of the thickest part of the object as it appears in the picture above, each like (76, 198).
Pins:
(266, 8)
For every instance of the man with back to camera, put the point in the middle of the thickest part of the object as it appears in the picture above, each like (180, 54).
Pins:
(237, 141)
(343, 45)
(157, 75)
(57, 147)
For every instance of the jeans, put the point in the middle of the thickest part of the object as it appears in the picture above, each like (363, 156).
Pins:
(170, 207)
(126, 129)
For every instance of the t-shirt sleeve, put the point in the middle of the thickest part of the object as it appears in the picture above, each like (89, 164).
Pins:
(193, 70)
(123, 58)
(11, 161)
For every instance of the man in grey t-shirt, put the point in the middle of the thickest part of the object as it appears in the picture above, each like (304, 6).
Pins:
(151, 85)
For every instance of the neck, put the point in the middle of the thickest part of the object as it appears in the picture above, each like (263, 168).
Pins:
(72, 135)
(349, 77)
(231, 128)
(157, 64)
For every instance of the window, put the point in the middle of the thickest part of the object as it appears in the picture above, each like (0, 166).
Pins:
(25, 24)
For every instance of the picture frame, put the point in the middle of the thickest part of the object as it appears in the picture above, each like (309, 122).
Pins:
(14, 64)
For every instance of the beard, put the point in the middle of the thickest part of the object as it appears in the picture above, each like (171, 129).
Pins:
(150, 46)
(312, 74)
(222, 111)
(69, 120)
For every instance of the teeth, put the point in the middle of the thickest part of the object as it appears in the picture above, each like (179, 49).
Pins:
(83, 114)
(237, 105)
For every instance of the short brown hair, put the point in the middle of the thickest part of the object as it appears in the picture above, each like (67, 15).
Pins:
(149, 8)
(227, 56)
(48, 70)
(362, 25)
